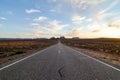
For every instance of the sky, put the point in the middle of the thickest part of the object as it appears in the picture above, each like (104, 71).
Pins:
(69, 18)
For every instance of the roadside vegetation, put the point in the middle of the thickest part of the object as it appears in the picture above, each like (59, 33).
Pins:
(111, 46)
(11, 48)
(105, 48)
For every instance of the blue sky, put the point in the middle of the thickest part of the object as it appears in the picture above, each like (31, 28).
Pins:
(69, 18)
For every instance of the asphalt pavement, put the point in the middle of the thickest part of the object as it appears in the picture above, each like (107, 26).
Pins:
(59, 62)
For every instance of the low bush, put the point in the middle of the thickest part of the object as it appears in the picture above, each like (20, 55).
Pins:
(105, 45)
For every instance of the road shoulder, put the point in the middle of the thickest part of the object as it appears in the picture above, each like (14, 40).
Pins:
(107, 58)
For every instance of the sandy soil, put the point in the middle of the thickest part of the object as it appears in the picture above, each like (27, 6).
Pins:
(112, 58)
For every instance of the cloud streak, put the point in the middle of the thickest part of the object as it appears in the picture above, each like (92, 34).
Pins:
(29, 11)
(40, 18)
(49, 29)
(3, 18)
(85, 4)
(76, 19)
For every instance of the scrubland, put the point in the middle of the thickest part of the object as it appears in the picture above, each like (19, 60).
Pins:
(105, 48)
(10, 49)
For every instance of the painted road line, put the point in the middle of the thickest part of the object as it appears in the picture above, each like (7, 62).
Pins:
(23, 59)
(96, 59)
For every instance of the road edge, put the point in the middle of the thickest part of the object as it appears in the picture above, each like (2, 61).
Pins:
(8, 64)
(96, 59)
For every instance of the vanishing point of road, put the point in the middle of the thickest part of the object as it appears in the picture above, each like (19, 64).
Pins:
(59, 62)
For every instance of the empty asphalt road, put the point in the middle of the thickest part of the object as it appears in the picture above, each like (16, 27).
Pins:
(59, 62)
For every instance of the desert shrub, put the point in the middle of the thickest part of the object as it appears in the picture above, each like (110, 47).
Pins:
(10, 54)
(105, 45)
(3, 55)
(14, 47)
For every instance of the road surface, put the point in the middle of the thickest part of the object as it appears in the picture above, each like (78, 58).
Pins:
(59, 62)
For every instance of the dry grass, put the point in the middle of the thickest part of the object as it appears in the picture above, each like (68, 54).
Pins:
(107, 49)
(104, 45)
(115, 59)
(12, 48)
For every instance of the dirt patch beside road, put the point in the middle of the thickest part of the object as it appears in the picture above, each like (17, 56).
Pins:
(112, 58)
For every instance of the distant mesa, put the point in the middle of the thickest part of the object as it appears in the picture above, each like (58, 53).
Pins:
(75, 38)
(62, 38)
(52, 38)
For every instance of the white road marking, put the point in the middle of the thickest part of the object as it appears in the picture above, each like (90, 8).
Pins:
(23, 59)
(97, 60)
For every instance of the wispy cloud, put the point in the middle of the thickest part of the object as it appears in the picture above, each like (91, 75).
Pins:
(49, 29)
(75, 32)
(103, 13)
(3, 18)
(85, 4)
(82, 18)
(40, 18)
(115, 23)
(52, 10)
(29, 11)
(76, 19)
(55, 26)
(114, 3)
(95, 26)
(34, 24)
(78, 6)
(96, 30)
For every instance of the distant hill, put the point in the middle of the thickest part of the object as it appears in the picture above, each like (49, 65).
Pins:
(23, 38)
